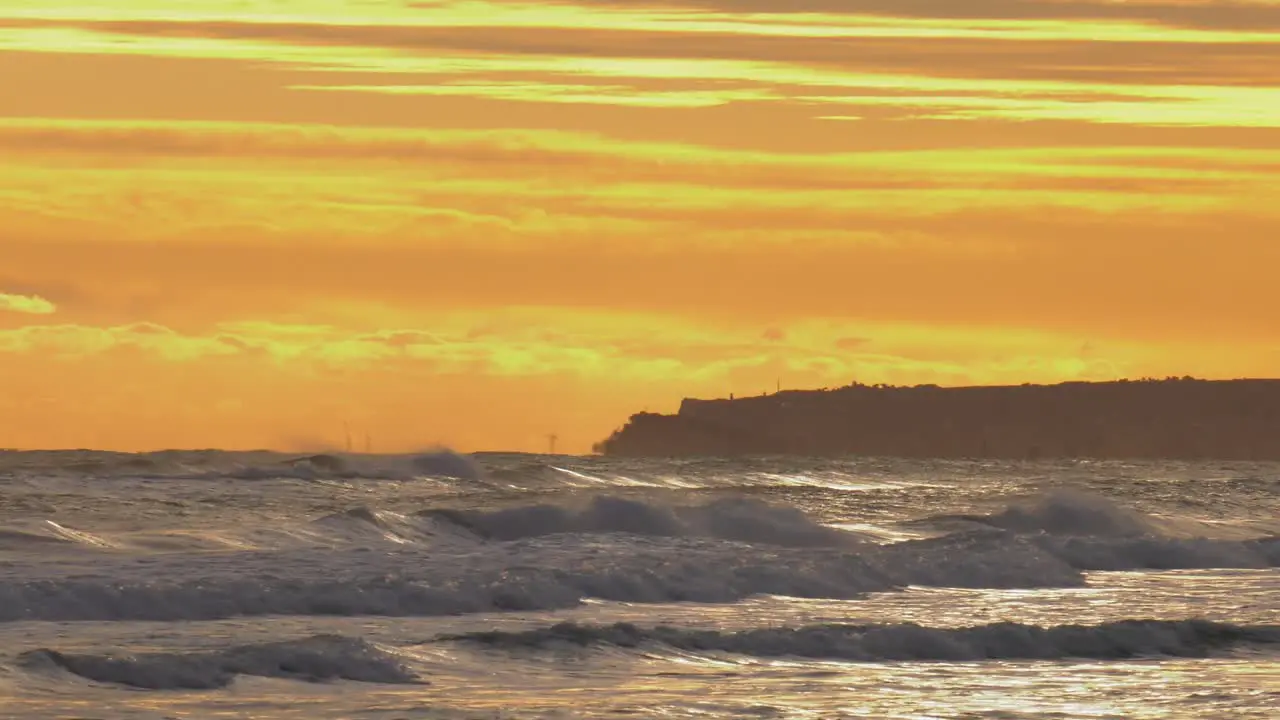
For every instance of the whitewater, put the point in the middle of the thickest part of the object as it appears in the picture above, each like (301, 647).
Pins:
(435, 585)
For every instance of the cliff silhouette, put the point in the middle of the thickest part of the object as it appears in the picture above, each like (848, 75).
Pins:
(1175, 418)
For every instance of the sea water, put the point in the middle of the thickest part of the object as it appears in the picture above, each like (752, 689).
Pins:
(257, 585)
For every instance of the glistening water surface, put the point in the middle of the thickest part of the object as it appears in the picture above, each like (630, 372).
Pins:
(435, 586)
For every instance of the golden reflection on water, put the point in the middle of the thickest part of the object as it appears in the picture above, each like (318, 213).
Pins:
(718, 687)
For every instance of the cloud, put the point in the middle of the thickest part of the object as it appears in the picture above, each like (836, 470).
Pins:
(29, 304)
(1215, 14)
(1149, 275)
(852, 343)
(246, 384)
(503, 162)
(1125, 70)
(518, 344)
(630, 205)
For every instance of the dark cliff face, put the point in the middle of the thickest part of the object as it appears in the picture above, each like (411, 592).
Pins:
(1174, 419)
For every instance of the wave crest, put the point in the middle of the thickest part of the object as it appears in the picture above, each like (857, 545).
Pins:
(872, 643)
(317, 659)
(539, 574)
(737, 519)
(1062, 512)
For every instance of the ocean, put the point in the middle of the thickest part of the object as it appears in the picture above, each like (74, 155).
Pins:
(258, 585)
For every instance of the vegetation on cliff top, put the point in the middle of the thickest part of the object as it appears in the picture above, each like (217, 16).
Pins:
(1177, 418)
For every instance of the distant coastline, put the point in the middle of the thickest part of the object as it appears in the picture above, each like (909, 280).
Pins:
(1175, 418)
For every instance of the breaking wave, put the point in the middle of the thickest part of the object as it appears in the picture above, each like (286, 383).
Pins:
(546, 557)
(878, 643)
(739, 519)
(550, 557)
(540, 574)
(556, 573)
(1090, 532)
(317, 659)
(1068, 512)
(362, 524)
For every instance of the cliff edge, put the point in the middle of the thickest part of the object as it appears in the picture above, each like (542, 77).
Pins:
(1177, 418)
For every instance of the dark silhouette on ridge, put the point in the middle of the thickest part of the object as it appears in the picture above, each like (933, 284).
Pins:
(1175, 418)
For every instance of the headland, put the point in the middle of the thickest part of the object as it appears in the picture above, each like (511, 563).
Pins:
(1174, 418)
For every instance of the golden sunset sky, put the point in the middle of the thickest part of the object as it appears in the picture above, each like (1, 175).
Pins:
(242, 224)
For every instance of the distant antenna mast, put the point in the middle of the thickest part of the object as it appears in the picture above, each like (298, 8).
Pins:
(551, 443)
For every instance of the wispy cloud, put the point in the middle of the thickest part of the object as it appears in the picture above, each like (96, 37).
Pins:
(29, 304)
(409, 221)
(1140, 64)
(573, 209)
(597, 348)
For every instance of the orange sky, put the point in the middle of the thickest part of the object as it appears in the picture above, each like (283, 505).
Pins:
(476, 223)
